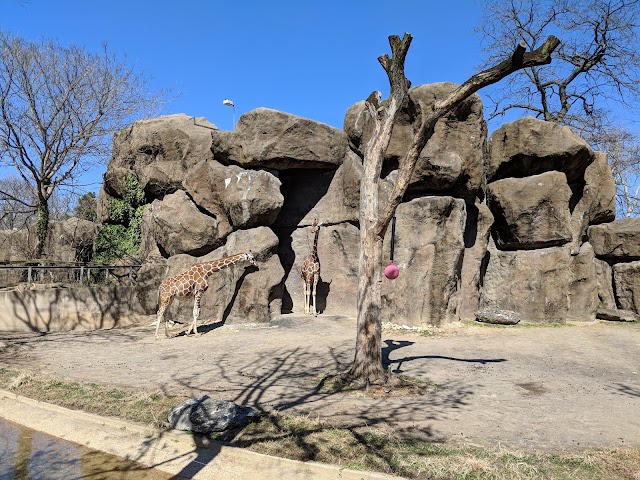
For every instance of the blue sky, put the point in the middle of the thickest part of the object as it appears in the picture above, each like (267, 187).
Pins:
(309, 58)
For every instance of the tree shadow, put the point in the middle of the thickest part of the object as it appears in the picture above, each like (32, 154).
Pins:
(622, 389)
(392, 345)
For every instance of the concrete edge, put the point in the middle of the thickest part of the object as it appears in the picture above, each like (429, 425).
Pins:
(173, 452)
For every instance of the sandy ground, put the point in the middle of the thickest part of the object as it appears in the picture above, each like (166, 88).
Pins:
(561, 389)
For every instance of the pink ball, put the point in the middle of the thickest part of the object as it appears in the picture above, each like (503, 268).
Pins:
(391, 272)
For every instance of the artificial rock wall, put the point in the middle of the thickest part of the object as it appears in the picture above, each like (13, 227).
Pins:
(504, 222)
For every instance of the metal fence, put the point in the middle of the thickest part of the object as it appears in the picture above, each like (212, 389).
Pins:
(29, 273)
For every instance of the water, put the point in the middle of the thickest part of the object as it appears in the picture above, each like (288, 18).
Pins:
(27, 454)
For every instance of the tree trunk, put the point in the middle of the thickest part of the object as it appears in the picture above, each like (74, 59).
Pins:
(42, 227)
(367, 363)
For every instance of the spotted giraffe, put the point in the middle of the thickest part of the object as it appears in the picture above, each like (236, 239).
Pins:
(310, 272)
(193, 282)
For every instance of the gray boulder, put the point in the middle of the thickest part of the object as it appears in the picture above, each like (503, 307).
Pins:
(236, 197)
(615, 315)
(530, 212)
(544, 285)
(428, 251)
(206, 415)
(596, 199)
(626, 278)
(476, 240)
(266, 138)
(180, 227)
(604, 279)
(160, 151)
(498, 317)
(530, 146)
(452, 161)
(618, 240)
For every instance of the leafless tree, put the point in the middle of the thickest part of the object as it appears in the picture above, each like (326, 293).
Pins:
(596, 67)
(375, 216)
(18, 204)
(59, 106)
(623, 151)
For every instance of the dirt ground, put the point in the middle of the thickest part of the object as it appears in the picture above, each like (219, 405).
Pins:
(563, 389)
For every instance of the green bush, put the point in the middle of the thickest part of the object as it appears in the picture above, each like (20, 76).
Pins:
(121, 236)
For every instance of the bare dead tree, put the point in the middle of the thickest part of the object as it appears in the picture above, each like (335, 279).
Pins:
(374, 216)
(58, 107)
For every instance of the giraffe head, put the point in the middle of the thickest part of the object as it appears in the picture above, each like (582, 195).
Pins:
(248, 256)
(315, 226)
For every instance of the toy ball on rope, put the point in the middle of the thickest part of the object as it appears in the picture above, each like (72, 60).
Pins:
(392, 271)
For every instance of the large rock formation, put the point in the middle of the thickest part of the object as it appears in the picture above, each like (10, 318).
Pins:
(520, 223)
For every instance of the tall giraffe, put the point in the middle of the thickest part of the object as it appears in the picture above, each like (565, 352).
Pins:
(193, 282)
(310, 272)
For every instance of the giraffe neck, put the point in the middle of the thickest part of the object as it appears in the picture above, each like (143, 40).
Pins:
(314, 249)
(221, 264)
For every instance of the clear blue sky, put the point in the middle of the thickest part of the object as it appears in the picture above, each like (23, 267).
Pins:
(309, 58)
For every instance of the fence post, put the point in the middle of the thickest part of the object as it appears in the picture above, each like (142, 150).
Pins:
(29, 272)
(81, 275)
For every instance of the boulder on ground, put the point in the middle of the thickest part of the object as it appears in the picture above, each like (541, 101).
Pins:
(207, 415)
(626, 278)
(615, 315)
(476, 240)
(498, 317)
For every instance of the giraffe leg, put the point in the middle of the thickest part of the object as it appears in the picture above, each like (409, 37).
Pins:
(159, 318)
(164, 303)
(315, 284)
(306, 297)
(196, 313)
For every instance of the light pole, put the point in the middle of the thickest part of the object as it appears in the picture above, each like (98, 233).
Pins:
(229, 103)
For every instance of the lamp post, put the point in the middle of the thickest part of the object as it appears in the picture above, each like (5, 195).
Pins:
(229, 103)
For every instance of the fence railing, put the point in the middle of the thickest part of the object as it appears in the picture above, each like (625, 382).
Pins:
(14, 273)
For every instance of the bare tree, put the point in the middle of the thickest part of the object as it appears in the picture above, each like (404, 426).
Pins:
(58, 106)
(375, 217)
(597, 61)
(596, 67)
(16, 203)
(623, 151)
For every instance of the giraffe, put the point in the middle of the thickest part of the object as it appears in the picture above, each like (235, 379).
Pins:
(310, 272)
(193, 282)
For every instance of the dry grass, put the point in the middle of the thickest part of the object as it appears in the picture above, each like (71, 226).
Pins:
(366, 448)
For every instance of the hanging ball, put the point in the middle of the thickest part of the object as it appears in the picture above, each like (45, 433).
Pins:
(391, 272)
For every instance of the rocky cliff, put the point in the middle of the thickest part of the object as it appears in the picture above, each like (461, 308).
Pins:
(523, 220)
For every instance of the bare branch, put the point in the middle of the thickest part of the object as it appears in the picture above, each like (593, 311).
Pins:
(518, 60)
